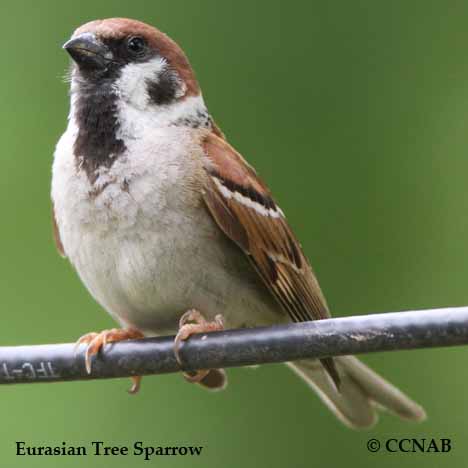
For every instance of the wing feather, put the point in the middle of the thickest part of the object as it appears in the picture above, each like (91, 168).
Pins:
(244, 209)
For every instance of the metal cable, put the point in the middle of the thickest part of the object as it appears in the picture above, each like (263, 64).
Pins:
(317, 339)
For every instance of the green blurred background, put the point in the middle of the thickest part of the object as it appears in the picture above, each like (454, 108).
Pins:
(356, 114)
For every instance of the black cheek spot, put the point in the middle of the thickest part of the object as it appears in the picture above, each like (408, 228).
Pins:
(163, 90)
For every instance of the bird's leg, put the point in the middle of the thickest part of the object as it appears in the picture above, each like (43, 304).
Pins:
(190, 323)
(95, 341)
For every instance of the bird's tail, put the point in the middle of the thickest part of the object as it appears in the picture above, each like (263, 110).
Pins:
(362, 391)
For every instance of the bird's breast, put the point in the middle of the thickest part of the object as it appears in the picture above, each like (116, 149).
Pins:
(143, 243)
(127, 232)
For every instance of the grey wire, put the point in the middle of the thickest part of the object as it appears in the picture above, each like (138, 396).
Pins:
(318, 339)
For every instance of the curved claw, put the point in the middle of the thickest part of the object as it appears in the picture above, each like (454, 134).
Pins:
(87, 338)
(135, 388)
(200, 325)
(95, 341)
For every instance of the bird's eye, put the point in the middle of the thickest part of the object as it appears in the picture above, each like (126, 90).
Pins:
(136, 45)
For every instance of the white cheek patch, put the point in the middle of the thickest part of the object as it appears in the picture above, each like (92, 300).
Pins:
(131, 84)
(136, 122)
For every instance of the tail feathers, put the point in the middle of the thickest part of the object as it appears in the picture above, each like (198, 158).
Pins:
(362, 391)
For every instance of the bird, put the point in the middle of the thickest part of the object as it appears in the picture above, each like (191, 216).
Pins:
(170, 229)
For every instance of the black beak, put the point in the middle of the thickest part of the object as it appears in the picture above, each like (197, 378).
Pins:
(88, 52)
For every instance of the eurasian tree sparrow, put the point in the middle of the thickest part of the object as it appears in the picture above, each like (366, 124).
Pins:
(159, 215)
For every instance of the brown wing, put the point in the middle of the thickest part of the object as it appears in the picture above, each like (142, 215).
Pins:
(58, 241)
(243, 207)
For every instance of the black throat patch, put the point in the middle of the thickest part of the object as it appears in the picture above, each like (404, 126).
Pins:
(96, 145)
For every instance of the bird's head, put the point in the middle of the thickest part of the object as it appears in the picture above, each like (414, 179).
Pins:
(132, 59)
